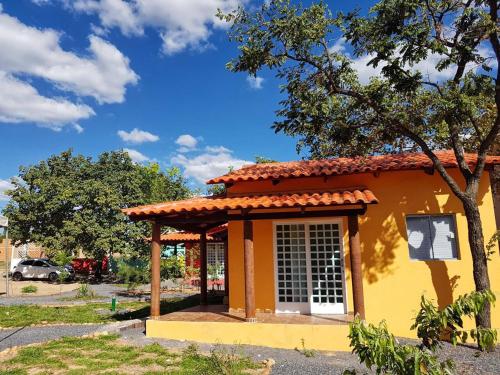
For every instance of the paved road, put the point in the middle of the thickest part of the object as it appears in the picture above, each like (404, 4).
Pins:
(28, 335)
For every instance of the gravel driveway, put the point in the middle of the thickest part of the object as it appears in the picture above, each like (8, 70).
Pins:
(28, 335)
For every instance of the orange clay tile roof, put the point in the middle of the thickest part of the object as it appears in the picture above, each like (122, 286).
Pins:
(343, 166)
(221, 203)
(182, 237)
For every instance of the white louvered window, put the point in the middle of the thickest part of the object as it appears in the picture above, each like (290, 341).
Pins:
(432, 237)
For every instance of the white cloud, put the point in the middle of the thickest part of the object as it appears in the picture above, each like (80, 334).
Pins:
(79, 129)
(187, 143)
(5, 185)
(214, 162)
(103, 73)
(20, 102)
(255, 82)
(112, 13)
(41, 2)
(136, 156)
(181, 24)
(137, 136)
(217, 149)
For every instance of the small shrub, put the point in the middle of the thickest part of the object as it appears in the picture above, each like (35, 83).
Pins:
(62, 276)
(220, 362)
(378, 348)
(29, 289)
(134, 272)
(309, 353)
(172, 267)
(432, 324)
(61, 258)
(85, 291)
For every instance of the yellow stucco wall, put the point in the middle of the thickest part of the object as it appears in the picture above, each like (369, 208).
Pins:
(276, 335)
(393, 283)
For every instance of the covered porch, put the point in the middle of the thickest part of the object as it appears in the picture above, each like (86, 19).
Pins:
(218, 324)
(250, 325)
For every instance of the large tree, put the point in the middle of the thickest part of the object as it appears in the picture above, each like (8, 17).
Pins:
(71, 202)
(437, 86)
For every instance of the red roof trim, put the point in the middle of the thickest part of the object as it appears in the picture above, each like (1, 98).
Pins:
(284, 200)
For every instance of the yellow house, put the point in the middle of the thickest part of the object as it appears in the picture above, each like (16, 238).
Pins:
(312, 243)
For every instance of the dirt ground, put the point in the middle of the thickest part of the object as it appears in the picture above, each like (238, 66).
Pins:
(44, 287)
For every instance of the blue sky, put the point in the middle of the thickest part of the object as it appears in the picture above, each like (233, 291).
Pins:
(147, 76)
(78, 74)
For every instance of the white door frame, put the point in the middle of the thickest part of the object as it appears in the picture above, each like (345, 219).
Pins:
(305, 308)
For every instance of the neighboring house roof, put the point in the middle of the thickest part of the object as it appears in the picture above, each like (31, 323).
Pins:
(183, 236)
(277, 200)
(344, 166)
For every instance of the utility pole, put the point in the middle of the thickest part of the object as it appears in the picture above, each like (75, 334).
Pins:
(4, 223)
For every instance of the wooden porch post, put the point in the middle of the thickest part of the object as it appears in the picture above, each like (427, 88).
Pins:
(226, 269)
(155, 270)
(249, 272)
(356, 271)
(203, 268)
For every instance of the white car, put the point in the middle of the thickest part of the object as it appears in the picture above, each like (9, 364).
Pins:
(40, 269)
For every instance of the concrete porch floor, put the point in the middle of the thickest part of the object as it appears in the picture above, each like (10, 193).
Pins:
(215, 324)
(221, 313)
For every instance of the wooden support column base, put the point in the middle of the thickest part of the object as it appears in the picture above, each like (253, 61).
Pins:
(251, 320)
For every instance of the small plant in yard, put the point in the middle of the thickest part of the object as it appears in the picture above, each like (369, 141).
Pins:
(85, 292)
(220, 362)
(29, 289)
(378, 348)
(309, 353)
(433, 325)
(133, 272)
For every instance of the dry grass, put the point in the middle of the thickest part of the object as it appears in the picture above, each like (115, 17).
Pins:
(106, 355)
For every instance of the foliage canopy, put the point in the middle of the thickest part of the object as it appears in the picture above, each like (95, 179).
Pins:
(71, 202)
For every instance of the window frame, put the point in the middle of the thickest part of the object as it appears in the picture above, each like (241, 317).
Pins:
(453, 217)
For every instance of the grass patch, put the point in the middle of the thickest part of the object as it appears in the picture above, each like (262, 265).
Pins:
(24, 315)
(29, 289)
(104, 354)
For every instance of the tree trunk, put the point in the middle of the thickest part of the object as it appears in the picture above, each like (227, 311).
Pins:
(479, 259)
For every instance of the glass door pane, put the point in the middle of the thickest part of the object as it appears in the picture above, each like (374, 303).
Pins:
(292, 263)
(327, 292)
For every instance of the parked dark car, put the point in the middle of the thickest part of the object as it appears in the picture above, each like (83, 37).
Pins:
(41, 269)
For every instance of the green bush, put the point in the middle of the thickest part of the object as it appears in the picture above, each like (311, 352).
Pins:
(433, 325)
(134, 272)
(85, 291)
(220, 362)
(172, 267)
(378, 348)
(61, 258)
(29, 289)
